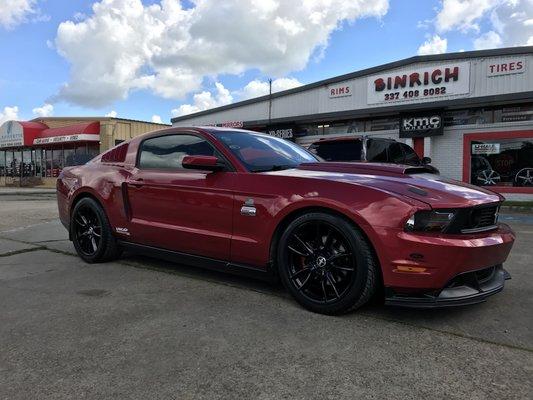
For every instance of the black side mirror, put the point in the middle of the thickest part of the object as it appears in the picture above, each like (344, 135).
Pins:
(426, 160)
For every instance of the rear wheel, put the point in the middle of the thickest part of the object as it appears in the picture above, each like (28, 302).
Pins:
(91, 233)
(326, 264)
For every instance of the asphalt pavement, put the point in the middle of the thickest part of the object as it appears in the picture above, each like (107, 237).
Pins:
(141, 328)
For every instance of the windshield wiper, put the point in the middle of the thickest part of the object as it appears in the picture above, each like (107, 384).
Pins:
(272, 168)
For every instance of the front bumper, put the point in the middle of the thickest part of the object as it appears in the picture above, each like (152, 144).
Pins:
(464, 289)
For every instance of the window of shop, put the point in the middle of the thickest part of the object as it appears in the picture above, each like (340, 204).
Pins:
(2, 163)
(500, 160)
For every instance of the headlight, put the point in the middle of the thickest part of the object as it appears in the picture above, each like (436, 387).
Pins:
(429, 221)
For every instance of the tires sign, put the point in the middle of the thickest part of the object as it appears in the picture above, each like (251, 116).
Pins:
(420, 84)
(486, 148)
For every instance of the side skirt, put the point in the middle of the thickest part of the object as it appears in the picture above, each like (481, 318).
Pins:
(201, 262)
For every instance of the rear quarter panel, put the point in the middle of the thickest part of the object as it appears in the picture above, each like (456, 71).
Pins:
(101, 181)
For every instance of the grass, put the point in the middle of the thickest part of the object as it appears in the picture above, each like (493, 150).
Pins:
(518, 203)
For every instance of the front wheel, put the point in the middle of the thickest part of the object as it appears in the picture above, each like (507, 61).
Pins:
(326, 264)
(91, 232)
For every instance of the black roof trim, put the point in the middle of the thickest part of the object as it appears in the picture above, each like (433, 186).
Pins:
(510, 98)
(368, 71)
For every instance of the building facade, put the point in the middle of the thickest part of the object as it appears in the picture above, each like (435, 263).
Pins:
(33, 153)
(471, 112)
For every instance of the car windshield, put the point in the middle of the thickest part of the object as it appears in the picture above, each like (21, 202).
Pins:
(259, 152)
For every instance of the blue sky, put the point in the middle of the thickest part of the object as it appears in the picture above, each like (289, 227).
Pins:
(169, 58)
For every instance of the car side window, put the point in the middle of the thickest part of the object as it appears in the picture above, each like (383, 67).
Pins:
(168, 151)
(377, 150)
(411, 158)
(349, 150)
(396, 153)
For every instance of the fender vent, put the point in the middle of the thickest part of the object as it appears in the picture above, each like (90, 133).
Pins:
(116, 154)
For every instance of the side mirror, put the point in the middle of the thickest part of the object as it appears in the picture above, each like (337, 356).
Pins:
(426, 160)
(204, 163)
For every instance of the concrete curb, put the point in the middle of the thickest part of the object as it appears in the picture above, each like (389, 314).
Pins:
(521, 209)
(21, 191)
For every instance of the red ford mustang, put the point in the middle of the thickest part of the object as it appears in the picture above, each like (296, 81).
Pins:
(245, 202)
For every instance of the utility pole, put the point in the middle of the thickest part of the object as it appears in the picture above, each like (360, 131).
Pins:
(269, 101)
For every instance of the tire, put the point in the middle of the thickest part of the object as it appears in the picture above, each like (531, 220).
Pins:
(347, 279)
(92, 234)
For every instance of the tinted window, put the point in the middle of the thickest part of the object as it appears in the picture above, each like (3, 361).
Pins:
(259, 152)
(168, 151)
(396, 153)
(411, 158)
(376, 150)
(342, 150)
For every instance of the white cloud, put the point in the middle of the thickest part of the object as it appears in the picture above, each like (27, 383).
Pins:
(157, 119)
(8, 114)
(45, 111)
(222, 96)
(204, 101)
(489, 40)
(15, 12)
(169, 50)
(111, 114)
(462, 14)
(434, 45)
(258, 88)
(509, 21)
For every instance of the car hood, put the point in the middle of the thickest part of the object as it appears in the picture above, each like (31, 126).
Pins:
(414, 182)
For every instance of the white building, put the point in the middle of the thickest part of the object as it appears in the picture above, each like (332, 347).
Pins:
(471, 112)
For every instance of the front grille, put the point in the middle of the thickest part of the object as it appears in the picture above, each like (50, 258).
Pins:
(475, 219)
(483, 217)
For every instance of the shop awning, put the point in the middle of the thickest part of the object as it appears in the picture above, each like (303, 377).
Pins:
(27, 134)
(87, 132)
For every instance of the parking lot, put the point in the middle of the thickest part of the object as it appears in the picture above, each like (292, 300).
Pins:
(145, 329)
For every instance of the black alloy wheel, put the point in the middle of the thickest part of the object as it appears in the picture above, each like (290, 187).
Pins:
(91, 232)
(326, 263)
(87, 230)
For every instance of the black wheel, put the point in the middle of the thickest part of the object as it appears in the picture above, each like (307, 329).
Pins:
(91, 233)
(326, 264)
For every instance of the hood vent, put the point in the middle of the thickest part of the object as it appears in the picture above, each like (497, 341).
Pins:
(365, 168)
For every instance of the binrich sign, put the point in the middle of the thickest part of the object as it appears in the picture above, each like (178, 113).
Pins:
(420, 84)
(11, 134)
(421, 125)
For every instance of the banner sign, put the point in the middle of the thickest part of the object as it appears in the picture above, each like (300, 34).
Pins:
(420, 84)
(486, 148)
(69, 138)
(421, 125)
(11, 134)
(284, 133)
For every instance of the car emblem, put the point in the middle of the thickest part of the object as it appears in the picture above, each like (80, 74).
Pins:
(321, 262)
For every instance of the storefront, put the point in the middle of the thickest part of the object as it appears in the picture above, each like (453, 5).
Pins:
(34, 152)
(471, 112)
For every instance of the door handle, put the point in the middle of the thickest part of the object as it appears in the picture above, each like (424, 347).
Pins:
(137, 182)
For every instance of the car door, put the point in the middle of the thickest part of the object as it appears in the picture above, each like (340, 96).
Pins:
(179, 209)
